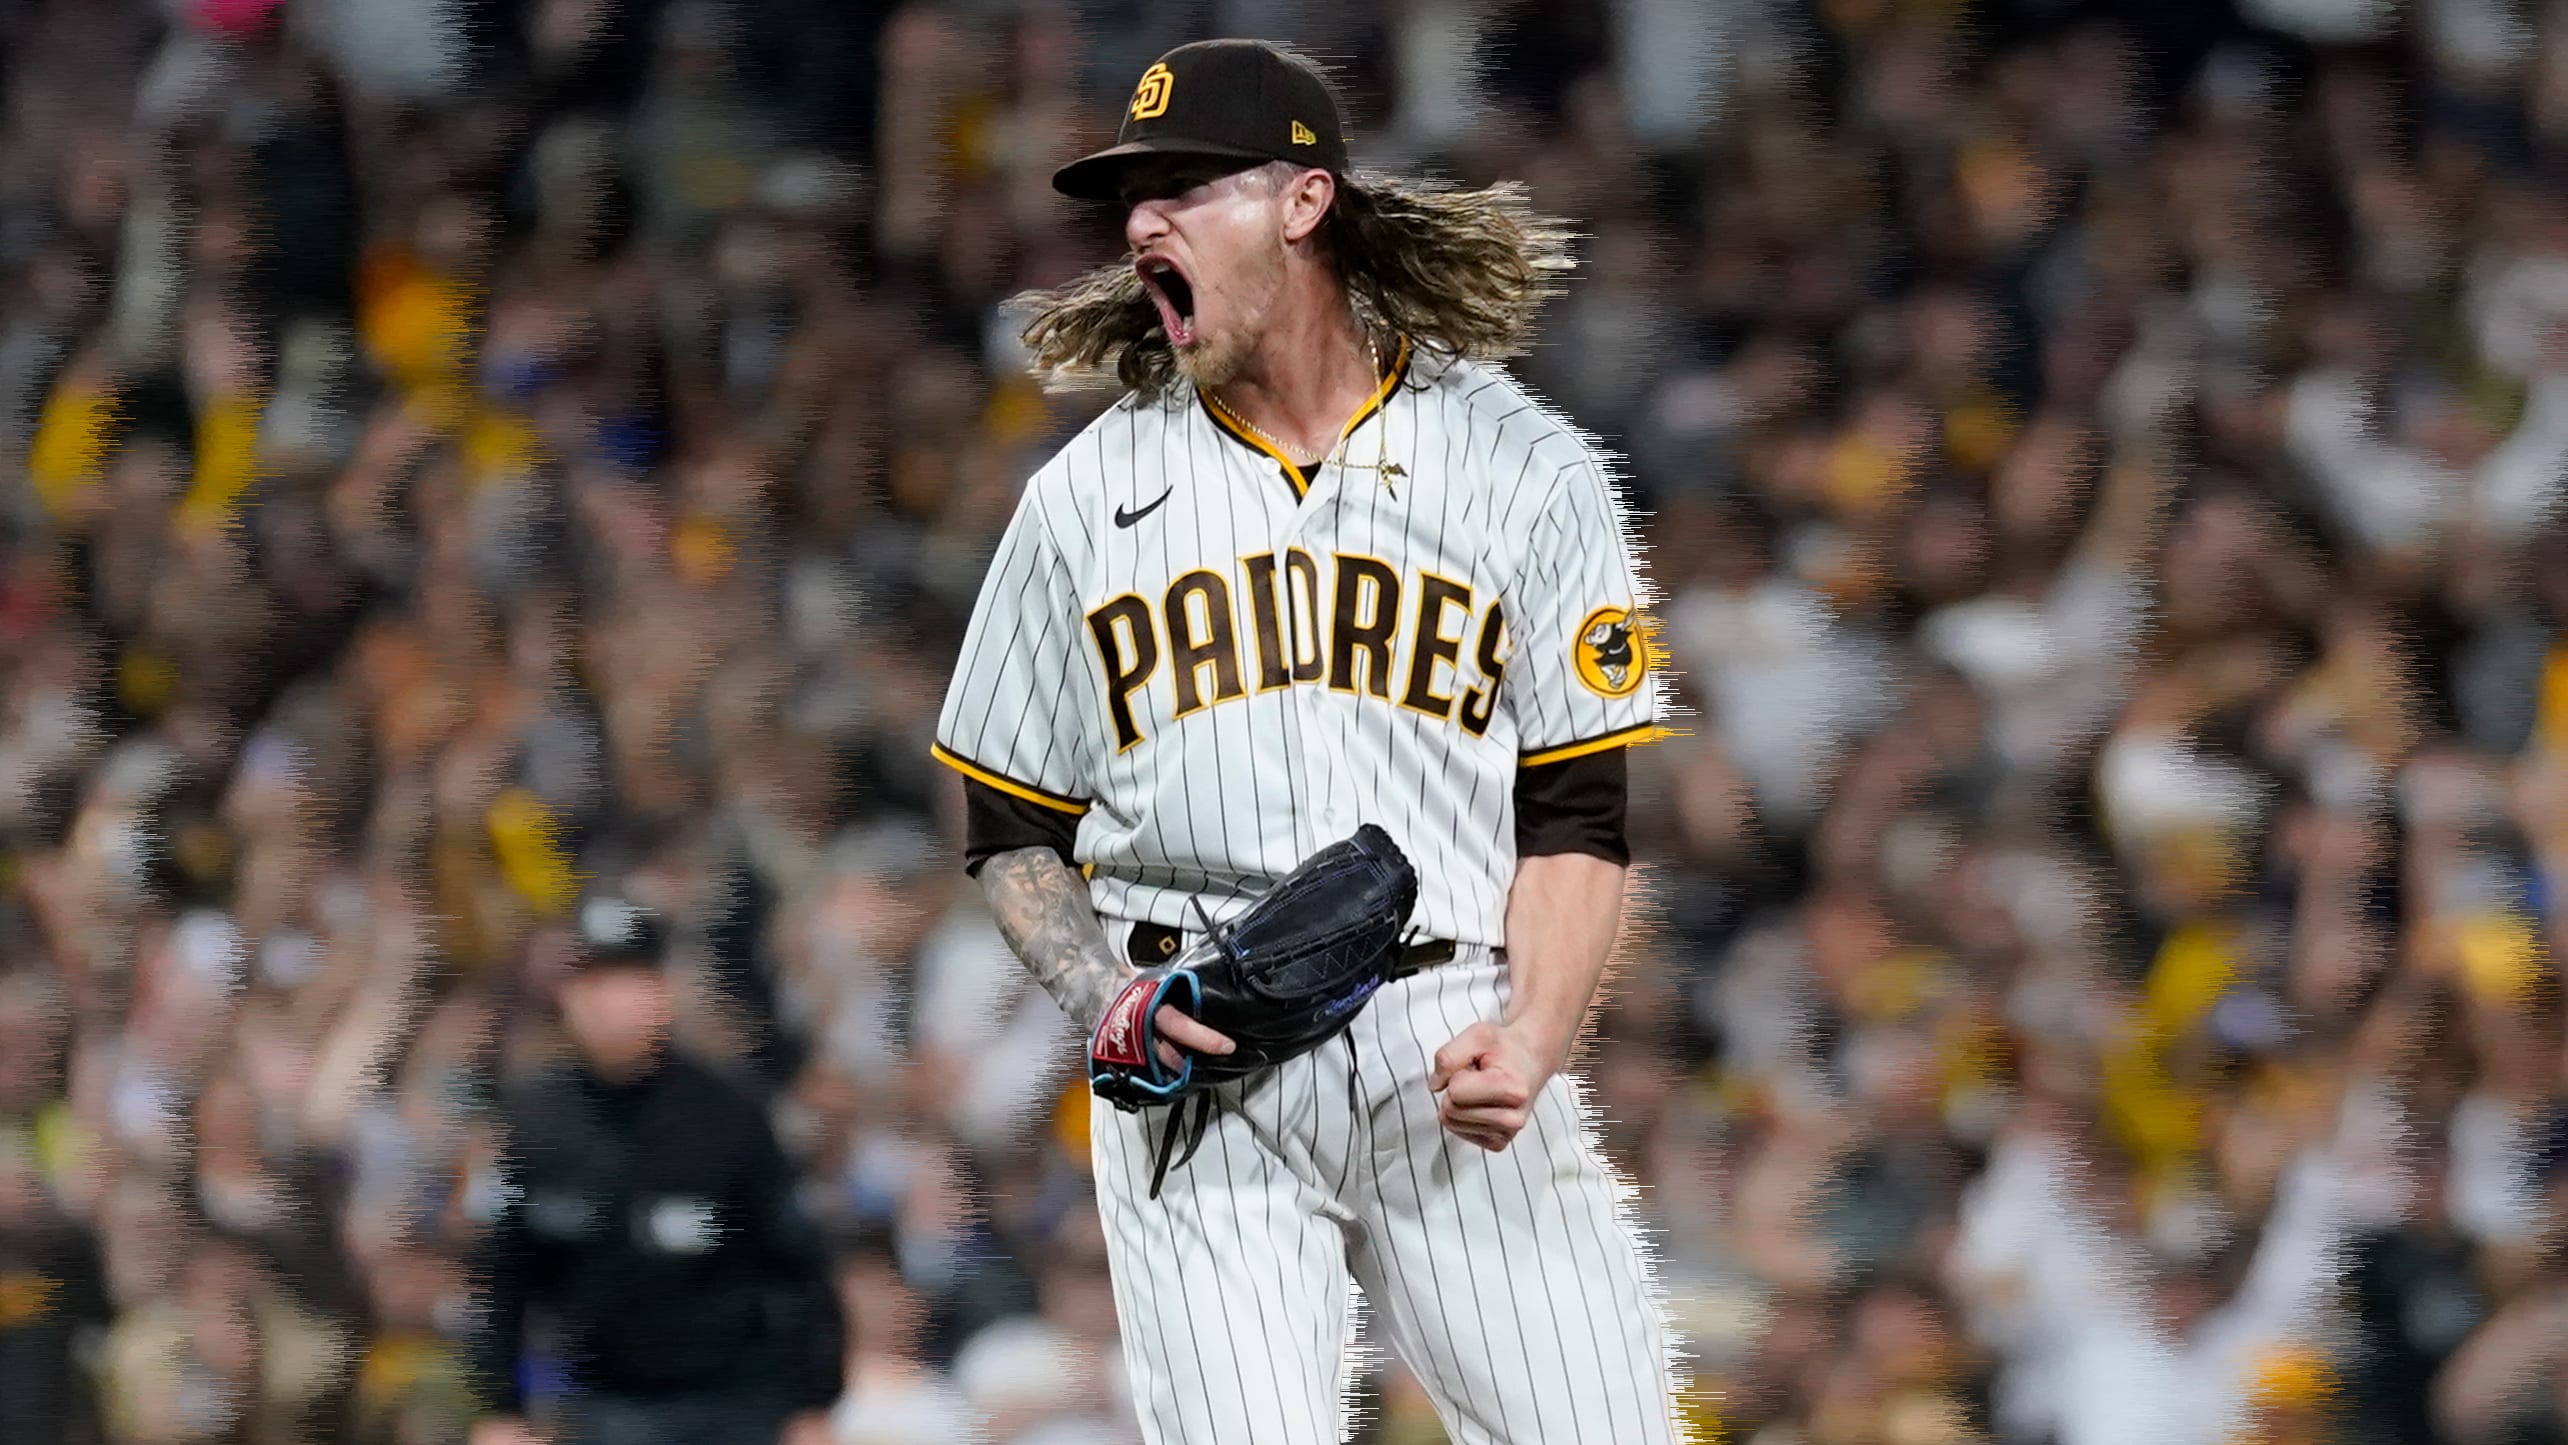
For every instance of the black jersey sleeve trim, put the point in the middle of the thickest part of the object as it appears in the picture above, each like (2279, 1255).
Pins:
(1575, 805)
(996, 822)
(1027, 791)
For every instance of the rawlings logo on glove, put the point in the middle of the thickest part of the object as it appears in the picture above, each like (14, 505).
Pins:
(1119, 1042)
(1279, 980)
(1123, 1055)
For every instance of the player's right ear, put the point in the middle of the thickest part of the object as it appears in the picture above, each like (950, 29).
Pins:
(1307, 198)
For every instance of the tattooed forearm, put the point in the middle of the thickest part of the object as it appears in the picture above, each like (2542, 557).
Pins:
(1042, 909)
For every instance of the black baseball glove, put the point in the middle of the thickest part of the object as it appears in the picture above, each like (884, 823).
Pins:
(1279, 981)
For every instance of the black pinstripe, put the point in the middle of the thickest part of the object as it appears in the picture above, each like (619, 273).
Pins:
(1185, 778)
(1497, 1222)
(1595, 1337)
(1239, 1232)
(1158, 1366)
(1388, 1249)
(1533, 1230)
(1386, 1252)
(1643, 1309)
(1022, 559)
(1266, 1220)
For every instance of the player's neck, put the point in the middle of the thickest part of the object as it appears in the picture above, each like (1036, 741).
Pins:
(1311, 373)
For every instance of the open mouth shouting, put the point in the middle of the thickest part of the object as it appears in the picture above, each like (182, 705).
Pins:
(1173, 294)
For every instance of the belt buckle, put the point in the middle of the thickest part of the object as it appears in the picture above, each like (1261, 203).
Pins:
(1151, 944)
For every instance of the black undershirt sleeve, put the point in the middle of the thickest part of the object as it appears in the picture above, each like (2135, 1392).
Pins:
(1574, 806)
(995, 822)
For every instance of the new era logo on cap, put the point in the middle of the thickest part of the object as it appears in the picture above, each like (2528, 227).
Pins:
(1242, 100)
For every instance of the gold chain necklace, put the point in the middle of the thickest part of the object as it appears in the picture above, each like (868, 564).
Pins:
(1336, 456)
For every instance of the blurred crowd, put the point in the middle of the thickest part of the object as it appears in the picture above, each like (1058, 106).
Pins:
(2094, 975)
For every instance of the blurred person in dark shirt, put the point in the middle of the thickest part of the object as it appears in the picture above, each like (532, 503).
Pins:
(2507, 1383)
(649, 1211)
(53, 1306)
(2416, 1296)
(277, 1203)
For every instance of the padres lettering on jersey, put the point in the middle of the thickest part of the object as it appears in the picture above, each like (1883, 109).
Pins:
(1221, 664)
(1365, 648)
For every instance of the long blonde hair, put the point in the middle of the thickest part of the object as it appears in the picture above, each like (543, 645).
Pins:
(1457, 271)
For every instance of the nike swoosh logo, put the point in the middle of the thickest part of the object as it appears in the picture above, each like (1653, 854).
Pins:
(1126, 519)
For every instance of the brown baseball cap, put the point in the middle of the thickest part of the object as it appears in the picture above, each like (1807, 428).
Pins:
(1243, 100)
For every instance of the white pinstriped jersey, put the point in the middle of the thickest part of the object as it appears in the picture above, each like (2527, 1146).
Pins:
(1221, 665)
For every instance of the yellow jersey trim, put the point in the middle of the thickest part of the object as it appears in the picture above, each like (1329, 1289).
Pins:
(1622, 738)
(1239, 430)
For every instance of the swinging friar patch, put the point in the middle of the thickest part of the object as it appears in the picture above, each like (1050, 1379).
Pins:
(1611, 657)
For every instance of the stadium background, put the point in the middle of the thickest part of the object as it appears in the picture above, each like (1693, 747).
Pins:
(2097, 981)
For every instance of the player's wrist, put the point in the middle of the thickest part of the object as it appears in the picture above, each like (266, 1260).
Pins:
(1105, 981)
(1548, 1038)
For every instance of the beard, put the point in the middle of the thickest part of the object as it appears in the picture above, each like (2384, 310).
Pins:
(1218, 358)
(1213, 364)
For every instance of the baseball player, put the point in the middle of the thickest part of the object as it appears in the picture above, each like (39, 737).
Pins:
(1326, 565)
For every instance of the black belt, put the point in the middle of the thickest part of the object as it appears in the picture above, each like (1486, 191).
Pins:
(1153, 944)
